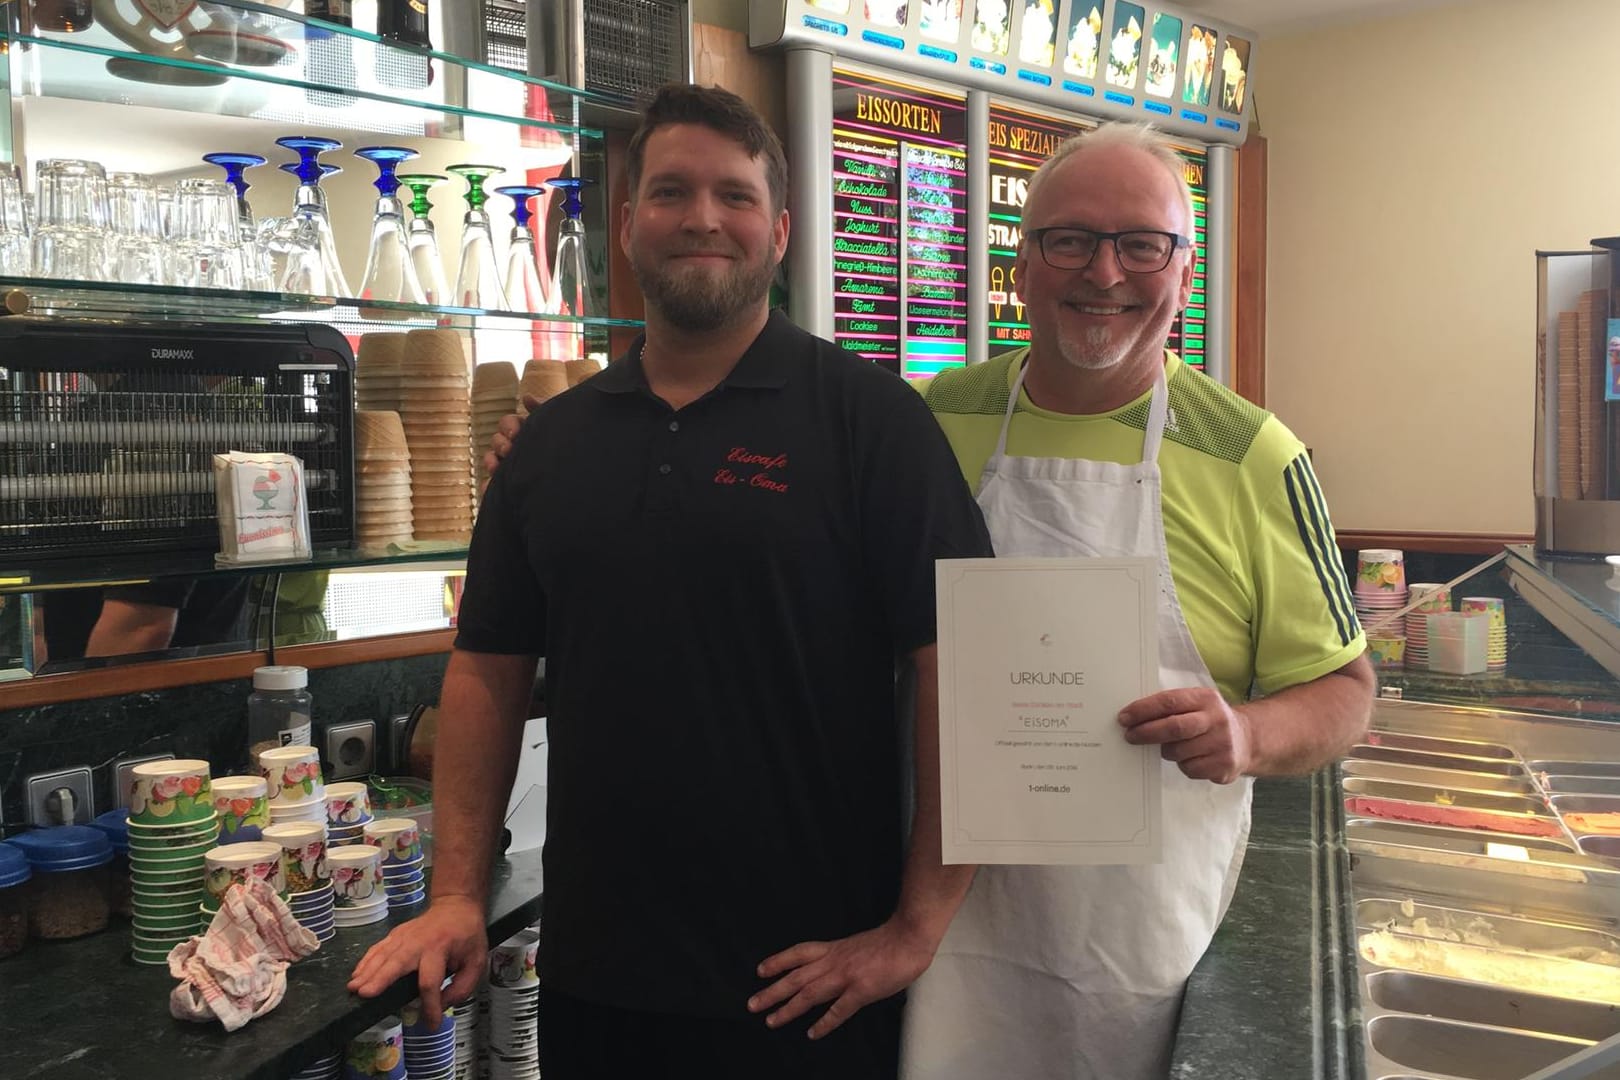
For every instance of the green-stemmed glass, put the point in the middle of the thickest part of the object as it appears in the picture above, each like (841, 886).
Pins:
(478, 278)
(421, 239)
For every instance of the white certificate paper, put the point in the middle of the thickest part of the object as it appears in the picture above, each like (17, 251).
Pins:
(1036, 659)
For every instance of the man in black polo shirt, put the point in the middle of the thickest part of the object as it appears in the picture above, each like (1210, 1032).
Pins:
(722, 544)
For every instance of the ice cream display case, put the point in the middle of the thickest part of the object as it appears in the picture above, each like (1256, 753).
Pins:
(1484, 890)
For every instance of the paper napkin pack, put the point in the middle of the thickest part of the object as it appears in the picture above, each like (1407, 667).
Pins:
(263, 513)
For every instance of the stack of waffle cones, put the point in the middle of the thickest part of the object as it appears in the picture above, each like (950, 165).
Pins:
(435, 408)
(383, 480)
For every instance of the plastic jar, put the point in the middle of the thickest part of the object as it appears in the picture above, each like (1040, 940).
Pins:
(115, 824)
(14, 875)
(69, 894)
(279, 710)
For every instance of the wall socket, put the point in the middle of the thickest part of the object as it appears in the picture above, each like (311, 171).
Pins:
(46, 803)
(124, 776)
(351, 749)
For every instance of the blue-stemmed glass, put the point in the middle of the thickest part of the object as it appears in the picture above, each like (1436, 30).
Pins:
(389, 272)
(312, 265)
(571, 277)
(255, 259)
(524, 289)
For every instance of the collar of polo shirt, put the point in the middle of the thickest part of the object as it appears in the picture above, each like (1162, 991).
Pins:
(762, 367)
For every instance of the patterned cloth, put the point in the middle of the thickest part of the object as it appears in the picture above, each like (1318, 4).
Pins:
(238, 969)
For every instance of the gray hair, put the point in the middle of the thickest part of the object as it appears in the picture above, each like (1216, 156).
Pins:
(1144, 137)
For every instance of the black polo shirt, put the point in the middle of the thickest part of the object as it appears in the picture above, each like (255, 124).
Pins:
(720, 594)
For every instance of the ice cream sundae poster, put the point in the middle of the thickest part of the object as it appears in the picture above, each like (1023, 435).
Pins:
(1125, 45)
(1084, 41)
(1037, 39)
(1164, 47)
(1611, 372)
(941, 19)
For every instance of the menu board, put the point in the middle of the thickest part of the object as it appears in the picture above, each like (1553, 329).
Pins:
(1187, 336)
(1019, 142)
(899, 224)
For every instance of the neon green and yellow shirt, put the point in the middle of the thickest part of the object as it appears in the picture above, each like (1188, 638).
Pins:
(1252, 551)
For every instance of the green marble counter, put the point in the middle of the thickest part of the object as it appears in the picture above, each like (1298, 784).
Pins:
(82, 1010)
(1275, 994)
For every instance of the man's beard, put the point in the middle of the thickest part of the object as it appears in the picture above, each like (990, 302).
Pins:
(1098, 351)
(691, 299)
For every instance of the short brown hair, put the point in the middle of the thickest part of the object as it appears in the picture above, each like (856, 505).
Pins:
(718, 110)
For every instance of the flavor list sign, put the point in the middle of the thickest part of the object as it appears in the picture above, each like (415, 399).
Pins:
(899, 224)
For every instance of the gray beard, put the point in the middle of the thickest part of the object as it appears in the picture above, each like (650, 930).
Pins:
(697, 303)
(1097, 352)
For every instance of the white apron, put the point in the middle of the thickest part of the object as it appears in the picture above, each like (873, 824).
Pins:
(1052, 972)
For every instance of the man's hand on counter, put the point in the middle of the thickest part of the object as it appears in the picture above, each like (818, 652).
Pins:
(447, 940)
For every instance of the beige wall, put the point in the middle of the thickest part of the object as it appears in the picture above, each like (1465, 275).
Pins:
(1408, 194)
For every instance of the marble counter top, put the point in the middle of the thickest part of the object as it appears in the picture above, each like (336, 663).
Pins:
(83, 1010)
(1274, 996)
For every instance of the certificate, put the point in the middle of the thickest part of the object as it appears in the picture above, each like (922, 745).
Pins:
(1036, 659)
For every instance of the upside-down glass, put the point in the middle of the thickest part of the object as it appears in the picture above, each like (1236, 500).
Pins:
(524, 290)
(136, 252)
(312, 264)
(390, 274)
(478, 279)
(71, 238)
(420, 238)
(206, 250)
(256, 271)
(572, 276)
(16, 260)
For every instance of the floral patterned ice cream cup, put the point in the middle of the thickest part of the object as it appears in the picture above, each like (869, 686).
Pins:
(170, 792)
(303, 854)
(292, 773)
(512, 962)
(236, 864)
(379, 1051)
(399, 839)
(1488, 605)
(347, 804)
(1431, 597)
(357, 876)
(1380, 571)
(242, 804)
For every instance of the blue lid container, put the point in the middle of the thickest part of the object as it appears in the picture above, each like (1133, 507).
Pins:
(14, 869)
(65, 847)
(115, 824)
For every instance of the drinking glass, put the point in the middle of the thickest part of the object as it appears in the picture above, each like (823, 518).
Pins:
(524, 290)
(206, 252)
(136, 253)
(71, 238)
(390, 274)
(256, 271)
(420, 238)
(478, 279)
(312, 263)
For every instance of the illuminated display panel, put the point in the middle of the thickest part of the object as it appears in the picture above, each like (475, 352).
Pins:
(1187, 336)
(1019, 142)
(899, 224)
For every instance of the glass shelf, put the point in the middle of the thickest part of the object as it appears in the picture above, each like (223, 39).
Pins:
(125, 569)
(289, 69)
(167, 302)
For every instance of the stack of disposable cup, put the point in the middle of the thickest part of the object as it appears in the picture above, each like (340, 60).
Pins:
(243, 808)
(293, 777)
(382, 500)
(1496, 644)
(329, 1067)
(514, 1009)
(400, 842)
(172, 826)
(435, 407)
(468, 1045)
(430, 1050)
(1434, 598)
(359, 896)
(1380, 592)
(348, 808)
(376, 371)
(237, 864)
(309, 878)
(378, 1053)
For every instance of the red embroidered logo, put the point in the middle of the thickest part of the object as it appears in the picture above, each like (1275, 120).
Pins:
(762, 467)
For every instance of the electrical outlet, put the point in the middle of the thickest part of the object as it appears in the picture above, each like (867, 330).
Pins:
(61, 798)
(351, 749)
(124, 776)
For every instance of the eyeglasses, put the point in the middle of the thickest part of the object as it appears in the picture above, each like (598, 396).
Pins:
(1140, 251)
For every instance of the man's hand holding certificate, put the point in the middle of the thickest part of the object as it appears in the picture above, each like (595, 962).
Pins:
(1037, 658)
